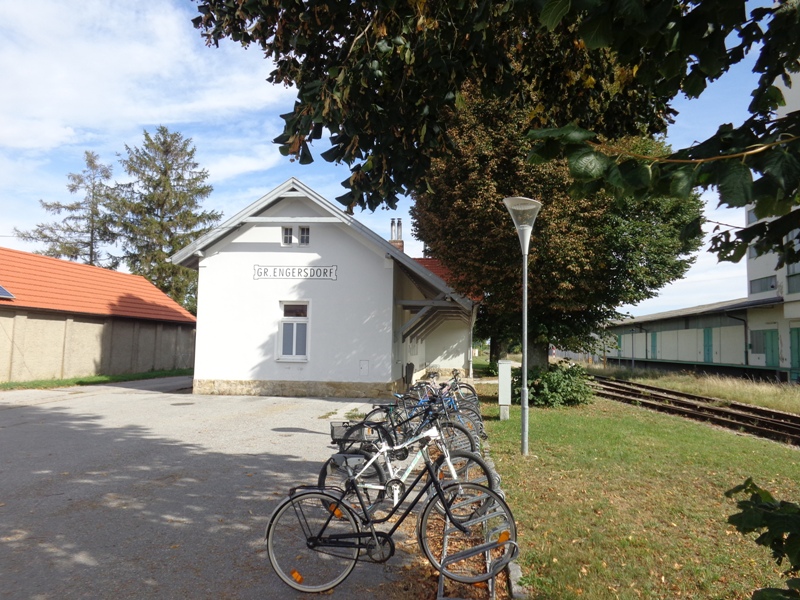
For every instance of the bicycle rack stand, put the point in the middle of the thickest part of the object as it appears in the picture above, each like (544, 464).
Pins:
(490, 583)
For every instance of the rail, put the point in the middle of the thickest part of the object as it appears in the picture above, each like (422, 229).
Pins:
(762, 422)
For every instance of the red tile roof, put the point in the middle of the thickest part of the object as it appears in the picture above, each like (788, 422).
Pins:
(435, 266)
(41, 282)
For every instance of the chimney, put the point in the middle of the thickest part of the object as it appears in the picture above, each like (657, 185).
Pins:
(397, 235)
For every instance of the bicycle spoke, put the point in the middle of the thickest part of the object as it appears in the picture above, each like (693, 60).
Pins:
(480, 552)
(312, 542)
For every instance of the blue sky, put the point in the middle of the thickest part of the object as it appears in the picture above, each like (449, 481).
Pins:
(93, 75)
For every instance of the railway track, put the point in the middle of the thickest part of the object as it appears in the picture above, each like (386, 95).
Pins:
(780, 426)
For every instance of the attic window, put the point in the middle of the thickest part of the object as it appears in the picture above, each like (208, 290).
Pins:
(305, 236)
(287, 236)
(5, 294)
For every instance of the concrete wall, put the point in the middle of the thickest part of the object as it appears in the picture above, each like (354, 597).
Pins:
(36, 345)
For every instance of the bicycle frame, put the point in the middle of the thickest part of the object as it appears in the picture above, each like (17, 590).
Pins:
(384, 449)
(368, 521)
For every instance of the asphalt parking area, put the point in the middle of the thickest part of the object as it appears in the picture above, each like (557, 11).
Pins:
(144, 491)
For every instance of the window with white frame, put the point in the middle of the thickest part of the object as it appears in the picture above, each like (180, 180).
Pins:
(294, 331)
(305, 236)
(287, 236)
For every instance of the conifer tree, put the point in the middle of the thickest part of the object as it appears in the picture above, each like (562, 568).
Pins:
(159, 211)
(84, 233)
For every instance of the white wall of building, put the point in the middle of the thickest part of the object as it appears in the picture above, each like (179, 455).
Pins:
(350, 320)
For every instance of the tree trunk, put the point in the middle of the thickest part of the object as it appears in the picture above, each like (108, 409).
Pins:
(537, 354)
(498, 349)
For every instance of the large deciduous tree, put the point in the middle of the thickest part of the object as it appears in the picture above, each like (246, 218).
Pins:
(589, 254)
(159, 211)
(383, 75)
(84, 233)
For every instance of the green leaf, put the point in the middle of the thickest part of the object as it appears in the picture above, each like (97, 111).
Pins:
(586, 164)
(632, 10)
(682, 182)
(637, 175)
(735, 184)
(553, 12)
(597, 32)
(692, 230)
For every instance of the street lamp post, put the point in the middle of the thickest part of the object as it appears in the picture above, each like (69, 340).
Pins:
(524, 212)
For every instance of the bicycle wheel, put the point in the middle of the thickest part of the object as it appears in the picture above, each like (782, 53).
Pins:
(465, 390)
(387, 416)
(302, 543)
(489, 543)
(371, 484)
(470, 419)
(469, 467)
(365, 435)
(458, 437)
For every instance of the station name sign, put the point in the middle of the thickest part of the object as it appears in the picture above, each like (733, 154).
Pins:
(276, 272)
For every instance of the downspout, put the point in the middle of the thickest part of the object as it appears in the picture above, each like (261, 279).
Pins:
(746, 335)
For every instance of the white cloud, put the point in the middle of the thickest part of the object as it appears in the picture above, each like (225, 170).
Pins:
(71, 69)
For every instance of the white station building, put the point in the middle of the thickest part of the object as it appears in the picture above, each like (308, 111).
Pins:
(297, 298)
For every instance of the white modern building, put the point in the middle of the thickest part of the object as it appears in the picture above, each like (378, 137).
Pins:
(297, 298)
(759, 334)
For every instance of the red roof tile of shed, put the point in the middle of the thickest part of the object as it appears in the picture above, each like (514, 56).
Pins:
(41, 282)
(435, 266)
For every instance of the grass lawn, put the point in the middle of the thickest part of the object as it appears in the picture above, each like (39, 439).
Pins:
(91, 380)
(618, 502)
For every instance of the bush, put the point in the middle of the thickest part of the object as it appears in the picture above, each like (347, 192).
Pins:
(492, 368)
(561, 385)
(778, 522)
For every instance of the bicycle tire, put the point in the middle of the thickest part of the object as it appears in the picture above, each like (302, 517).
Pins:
(469, 419)
(372, 484)
(469, 467)
(292, 525)
(489, 543)
(465, 389)
(458, 437)
(365, 435)
(383, 416)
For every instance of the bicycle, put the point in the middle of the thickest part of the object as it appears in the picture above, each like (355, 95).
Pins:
(407, 416)
(384, 475)
(314, 537)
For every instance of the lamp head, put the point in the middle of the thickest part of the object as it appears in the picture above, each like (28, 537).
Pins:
(523, 212)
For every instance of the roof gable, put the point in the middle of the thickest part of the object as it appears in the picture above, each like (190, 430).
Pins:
(293, 188)
(45, 283)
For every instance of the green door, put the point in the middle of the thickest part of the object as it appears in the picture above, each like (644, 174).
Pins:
(708, 345)
(771, 347)
(794, 350)
(653, 345)
(619, 346)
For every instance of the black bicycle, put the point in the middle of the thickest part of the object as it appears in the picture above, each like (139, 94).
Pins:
(315, 537)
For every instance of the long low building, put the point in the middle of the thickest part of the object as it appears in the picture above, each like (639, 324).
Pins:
(744, 335)
(60, 319)
(758, 335)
